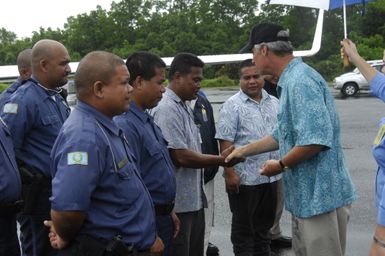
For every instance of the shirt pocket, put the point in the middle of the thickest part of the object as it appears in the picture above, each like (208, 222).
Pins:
(154, 149)
(50, 120)
(123, 169)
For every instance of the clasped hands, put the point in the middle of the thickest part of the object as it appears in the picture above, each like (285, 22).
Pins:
(270, 167)
(235, 158)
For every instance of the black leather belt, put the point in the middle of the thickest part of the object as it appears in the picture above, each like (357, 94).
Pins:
(164, 209)
(88, 245)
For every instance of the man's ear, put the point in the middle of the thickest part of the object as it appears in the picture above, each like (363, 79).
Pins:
(264, 50)
(138, 82)
(177, 76)
(43, 65)
(98, 89)
(25, 73)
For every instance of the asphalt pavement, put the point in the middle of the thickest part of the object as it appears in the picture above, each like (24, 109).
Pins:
(359, 117)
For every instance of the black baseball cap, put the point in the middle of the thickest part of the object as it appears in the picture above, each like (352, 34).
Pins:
(264, 33)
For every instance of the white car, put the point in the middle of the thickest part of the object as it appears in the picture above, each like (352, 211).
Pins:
(350, 83)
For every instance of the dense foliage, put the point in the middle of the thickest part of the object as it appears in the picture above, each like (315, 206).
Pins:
(205, 27)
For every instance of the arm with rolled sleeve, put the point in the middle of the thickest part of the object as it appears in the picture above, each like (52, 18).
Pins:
(312, 127)
(377, 85)
(72, 187)
(19, 114)
(173, 130)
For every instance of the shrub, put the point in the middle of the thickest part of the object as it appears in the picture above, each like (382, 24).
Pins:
(222, 81)
(3, 87)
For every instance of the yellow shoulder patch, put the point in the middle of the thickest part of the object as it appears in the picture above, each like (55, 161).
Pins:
(380, 135)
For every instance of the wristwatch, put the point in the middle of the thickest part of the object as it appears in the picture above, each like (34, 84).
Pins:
(283, 166)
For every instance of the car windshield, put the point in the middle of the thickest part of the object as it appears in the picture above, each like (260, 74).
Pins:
(356, 71)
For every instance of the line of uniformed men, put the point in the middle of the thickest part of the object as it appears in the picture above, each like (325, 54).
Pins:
(111, 186)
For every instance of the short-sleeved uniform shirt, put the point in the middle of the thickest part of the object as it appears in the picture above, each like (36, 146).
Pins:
(10, 184)
(6, 94)
(307, 116)
(94, 172)
(243, 120)
(377, 85)
(150, 150)
(176, 120)
(34, 115)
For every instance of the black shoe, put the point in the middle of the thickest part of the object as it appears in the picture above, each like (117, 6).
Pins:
(281, 242)
(212, 250)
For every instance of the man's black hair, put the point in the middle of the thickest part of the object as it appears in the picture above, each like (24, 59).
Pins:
(183, 62)
(244, 64)
(143, 64)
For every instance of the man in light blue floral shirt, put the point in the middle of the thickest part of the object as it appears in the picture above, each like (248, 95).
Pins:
(245, 117)
(317, 184)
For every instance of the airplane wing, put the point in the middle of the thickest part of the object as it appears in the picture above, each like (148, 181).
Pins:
(9, 73)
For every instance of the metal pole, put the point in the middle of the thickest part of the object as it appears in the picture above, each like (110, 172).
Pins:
(344, 13)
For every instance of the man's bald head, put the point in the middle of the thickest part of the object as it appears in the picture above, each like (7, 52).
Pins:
(24, 59)
(23, 62)
(50, 61)
(95, 66)
(45, 49)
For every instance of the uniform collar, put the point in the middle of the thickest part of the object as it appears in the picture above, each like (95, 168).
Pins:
(244, 97)
(142, 115)
(101, 118)
(49, 92)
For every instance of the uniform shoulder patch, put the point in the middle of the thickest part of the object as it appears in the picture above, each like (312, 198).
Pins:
(380, 135)
(80, 158)
(10, 108)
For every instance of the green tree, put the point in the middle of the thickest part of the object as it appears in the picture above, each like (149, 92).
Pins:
(89, 32)
(7, 37)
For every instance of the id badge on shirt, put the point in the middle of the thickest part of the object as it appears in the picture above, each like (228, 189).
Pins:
(200, 137)
(204, 115)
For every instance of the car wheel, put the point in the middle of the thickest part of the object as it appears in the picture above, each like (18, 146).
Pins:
(349, 89)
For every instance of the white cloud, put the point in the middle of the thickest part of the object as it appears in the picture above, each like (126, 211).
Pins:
(25, 16)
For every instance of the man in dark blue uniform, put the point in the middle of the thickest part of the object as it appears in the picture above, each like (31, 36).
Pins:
(147, 76)
(100, 205)
(10, 193)
(23, 62)
(34, 114)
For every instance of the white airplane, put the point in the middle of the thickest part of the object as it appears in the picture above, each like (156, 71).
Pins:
(9, 73)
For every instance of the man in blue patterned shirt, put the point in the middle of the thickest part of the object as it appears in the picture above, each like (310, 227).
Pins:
(245, 117)
(317, 184)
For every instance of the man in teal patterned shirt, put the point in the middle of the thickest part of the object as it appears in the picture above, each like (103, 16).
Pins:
(317, 184)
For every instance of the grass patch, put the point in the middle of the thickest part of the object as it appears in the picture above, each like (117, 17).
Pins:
(3, 87)
(222, 81)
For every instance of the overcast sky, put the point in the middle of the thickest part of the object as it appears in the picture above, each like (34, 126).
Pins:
(24, 16)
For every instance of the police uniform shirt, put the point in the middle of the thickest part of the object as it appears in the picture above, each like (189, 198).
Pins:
(6, 94)
(151, 152)
(94, 173)
(10, 184)
(34, 116)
